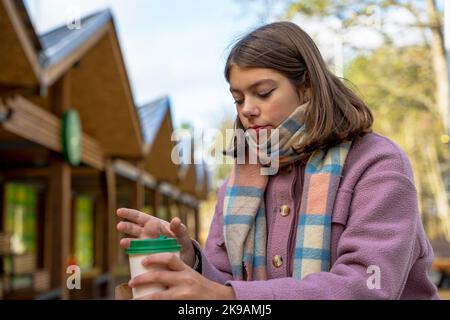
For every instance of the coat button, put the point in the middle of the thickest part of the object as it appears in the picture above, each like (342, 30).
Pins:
(277, 261)
(285, 210)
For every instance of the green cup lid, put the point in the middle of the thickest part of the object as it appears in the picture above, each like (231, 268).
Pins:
(156, 245)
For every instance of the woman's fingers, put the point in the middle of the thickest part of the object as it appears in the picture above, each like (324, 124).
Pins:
(135, 216)
(155, 227)
(187, 248)
(125, 242)
(129, 228)
(178, 228)
(142, 225)
(170, 294)
(165, 278)
(168, 259)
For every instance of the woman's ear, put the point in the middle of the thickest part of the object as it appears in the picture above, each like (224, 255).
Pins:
(307, 94)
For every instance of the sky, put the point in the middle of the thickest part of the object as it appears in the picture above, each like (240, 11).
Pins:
(178, 47)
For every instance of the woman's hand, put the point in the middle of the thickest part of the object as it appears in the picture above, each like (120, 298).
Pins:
(142, 226)
(182, 282)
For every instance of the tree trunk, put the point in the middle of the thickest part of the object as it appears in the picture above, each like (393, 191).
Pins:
(439, 64)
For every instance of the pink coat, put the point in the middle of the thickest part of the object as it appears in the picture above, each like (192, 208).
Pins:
(376, 232)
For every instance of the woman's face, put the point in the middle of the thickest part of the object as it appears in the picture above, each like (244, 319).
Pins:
(264, 98)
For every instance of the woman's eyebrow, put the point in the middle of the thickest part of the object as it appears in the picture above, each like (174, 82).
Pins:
(257, 83)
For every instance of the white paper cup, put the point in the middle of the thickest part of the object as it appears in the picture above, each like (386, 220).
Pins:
(138, 250)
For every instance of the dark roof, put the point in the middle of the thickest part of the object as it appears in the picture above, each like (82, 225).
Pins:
(60, 42)
(151, 116)
(29, 27)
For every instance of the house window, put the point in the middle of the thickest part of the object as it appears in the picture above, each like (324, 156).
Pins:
(84, 232)
(20, 223)
(20, 218)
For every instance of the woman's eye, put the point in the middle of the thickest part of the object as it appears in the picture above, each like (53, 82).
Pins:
(237, 102)
(266, 94)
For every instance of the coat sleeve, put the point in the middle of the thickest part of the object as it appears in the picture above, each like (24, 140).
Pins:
(380, 235)
(215, 265)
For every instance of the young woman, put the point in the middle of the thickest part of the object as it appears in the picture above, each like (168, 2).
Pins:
(338, 220)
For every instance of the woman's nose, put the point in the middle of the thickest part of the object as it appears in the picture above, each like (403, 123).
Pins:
(250, 110)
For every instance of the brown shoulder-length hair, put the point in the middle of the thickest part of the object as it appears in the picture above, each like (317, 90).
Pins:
(335, 113)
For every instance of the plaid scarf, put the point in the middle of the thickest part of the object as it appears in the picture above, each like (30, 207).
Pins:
(245, 230)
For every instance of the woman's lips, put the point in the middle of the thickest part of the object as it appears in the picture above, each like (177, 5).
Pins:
(257, 128)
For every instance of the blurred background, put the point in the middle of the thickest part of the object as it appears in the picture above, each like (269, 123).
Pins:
(95, 96)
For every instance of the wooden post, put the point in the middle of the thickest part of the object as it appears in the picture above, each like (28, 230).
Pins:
(138, 190)
(148, 200)
(191, 221)
(197, 222)
(111, 236)
(58, 223)
(41, 228)
(100, 223)
(2, 219)
(183, 213)
(168, 205)
(138, 195)
(157, 197)
(58, 215)
(2, 205)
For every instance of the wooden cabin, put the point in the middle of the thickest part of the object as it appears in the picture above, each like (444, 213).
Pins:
(73, 148)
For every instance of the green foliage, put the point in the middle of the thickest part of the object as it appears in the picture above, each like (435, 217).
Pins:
(348, 11)
(309, 7)
(400, 77)
(398, 85)
(186, 126)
